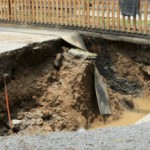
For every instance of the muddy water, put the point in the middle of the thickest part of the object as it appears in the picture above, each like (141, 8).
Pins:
(129, 117)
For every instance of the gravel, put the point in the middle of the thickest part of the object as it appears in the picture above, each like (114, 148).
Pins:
(113, 138)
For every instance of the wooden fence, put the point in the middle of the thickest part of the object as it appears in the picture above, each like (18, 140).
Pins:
(91, 14)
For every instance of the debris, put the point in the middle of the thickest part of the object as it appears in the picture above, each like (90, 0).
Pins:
(81, 130)
(58, 61)
(101, 94)
(74, 39)
(82, 54)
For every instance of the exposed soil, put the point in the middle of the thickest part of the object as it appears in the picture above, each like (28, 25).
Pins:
(51, 90)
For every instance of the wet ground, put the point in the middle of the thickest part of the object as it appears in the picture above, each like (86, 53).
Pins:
(129, 117)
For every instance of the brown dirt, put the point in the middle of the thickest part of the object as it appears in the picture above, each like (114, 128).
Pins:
(122, 66)
(50, 90)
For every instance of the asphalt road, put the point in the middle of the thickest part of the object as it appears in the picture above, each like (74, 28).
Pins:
(11, 40)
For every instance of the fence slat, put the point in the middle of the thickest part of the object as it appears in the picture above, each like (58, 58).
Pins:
(4, 9)
(29, 10)
(103, 15)
(148, 32)
(113, 14)
(37, 11)
(33, 12)
(22, 11)
(75, 13)
(118, 17)
(49, 8)
(57, 13)
(7, 10)
(61, 12)
(79, 13)
(108, 15)
(88, 13)
(129, 24)
(25, 6)
(140, 18)
(93, 13)
(98, 14)
(1, 10)
(123, 23)
(134, 24)
(145, 16)
(41, 12)
(70, 12)
(65, 11)
(19, 12)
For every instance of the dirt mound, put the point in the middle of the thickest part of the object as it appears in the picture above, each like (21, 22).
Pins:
(64, 101)
(49, 93)
(51, 90)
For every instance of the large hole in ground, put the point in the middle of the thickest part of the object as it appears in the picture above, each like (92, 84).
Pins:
(51, 90)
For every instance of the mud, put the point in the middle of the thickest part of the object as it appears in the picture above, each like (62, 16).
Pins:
(51, 90)
(129, 116)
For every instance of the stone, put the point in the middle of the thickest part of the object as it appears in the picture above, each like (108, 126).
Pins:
(15, 125)
(48, 128)
(82, 54)
(58, 61)
(16, 122)
(39, 121)
(146, 69)
(81, 129)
